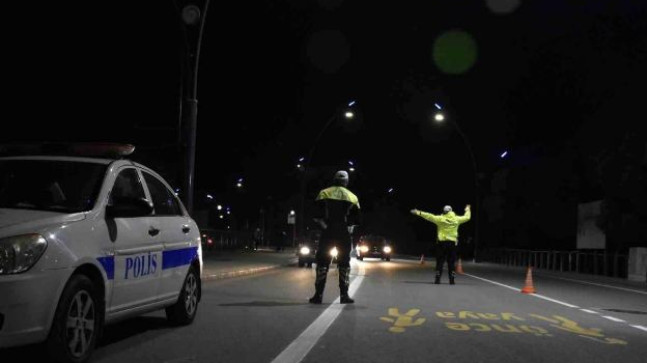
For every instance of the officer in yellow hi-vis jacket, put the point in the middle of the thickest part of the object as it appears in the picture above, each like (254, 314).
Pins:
(338, 214)
(447, 224)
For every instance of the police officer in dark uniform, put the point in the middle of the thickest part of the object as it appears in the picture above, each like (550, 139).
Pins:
(338, 213)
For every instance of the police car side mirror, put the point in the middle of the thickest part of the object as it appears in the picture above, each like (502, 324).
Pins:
(124, 207)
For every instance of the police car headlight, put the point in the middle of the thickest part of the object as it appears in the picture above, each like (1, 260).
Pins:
(305, 251)
(19, 253)
(363, 249)
(334, 252)
(387, 249)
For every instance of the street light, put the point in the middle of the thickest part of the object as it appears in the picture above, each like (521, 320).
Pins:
(348, 114)
(291, 220)
(440, 117)
(193, 16)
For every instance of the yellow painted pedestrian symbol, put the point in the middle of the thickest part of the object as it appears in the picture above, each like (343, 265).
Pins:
(402, 321)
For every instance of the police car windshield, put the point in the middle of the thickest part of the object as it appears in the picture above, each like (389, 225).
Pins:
(57, 186)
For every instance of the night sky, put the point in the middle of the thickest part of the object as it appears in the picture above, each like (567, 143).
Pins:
(548, 79)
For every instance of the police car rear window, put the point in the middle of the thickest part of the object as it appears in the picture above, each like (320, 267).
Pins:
(50, 185)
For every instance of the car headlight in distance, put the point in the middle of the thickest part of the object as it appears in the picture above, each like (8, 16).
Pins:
(387, 249)
(19, 253)
(334, 252)
(363, 249)
(305, 251)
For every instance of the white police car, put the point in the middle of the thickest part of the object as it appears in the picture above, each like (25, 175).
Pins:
(87, 241)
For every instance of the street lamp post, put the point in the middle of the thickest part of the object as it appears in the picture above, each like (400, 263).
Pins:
(193, 16)
(348, 114)
(439, 117)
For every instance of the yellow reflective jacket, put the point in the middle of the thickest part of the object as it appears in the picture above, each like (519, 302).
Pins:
(447, 224)
(339, 193)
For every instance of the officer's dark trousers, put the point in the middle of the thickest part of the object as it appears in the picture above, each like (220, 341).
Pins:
(323, 260)
(445, 250)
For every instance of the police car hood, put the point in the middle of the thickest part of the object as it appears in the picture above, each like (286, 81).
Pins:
(32, 220)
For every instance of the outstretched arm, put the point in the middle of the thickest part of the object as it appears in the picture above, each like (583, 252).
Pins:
(428, 216)
(465, 217)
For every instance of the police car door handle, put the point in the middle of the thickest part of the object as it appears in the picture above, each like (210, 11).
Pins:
(186, 228)
(153, 231)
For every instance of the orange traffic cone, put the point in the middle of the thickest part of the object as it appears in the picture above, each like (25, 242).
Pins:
(529, 288)
(422, 259)
(459, 267)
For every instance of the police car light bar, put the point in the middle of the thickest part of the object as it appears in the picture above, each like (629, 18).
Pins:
(96, 149)
(102, 149)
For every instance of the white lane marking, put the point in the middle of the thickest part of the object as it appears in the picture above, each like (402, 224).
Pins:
(519, 290)
(589, 311)
(613, 319)
(558, 302)
(494, 282)
(555, 301)
(301, 346)
(597, 284)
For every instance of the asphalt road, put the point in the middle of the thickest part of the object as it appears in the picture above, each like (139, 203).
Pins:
(399, 316)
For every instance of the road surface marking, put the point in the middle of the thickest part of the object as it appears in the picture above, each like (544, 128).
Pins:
(557, 301)
(495, 283)
(402, 321)
(613, 319)
(589, 311)
(301, 346)
(597, 284)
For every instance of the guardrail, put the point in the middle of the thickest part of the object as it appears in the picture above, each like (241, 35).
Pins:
(598, 262)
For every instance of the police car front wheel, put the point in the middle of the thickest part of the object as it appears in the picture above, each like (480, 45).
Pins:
(77, 322)
(184, 310)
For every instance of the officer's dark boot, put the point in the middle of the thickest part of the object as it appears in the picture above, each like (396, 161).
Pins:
(320, 284)
(437, 280)
(344, 282)
(451, 278)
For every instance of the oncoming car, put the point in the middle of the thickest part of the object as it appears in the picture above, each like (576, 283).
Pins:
(374, 246)
(306, 253)
(88, 241)
(307, 250)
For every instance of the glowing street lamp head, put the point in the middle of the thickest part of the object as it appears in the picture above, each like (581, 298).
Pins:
(349, 114)
(439, 117)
